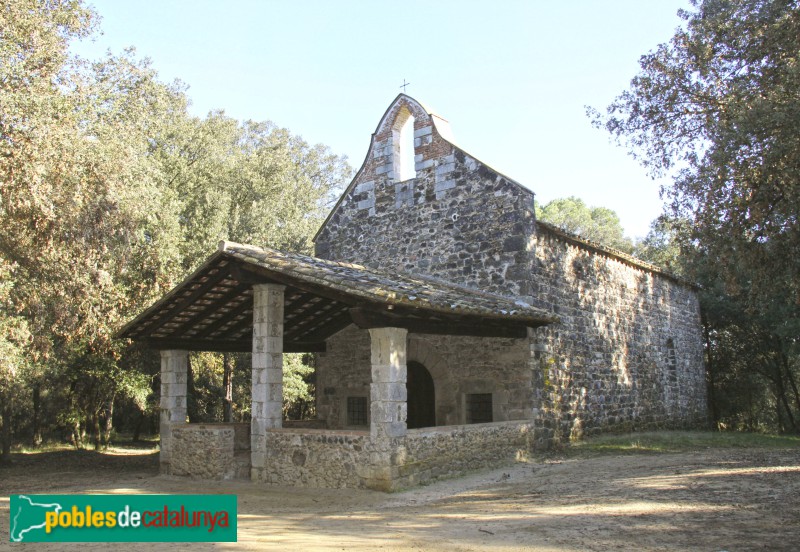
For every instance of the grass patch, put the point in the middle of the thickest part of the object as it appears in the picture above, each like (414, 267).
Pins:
(656, 442)
(121, 443)
(44, 447)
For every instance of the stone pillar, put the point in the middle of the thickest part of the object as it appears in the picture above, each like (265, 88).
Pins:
(174, 370)
(388, 408)
(544, 366)
(267, 386)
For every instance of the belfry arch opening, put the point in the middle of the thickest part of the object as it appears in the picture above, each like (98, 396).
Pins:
(403, 143)
(421, 397)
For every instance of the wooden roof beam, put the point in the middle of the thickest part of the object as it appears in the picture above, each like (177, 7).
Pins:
(228, 346)
(367, 318)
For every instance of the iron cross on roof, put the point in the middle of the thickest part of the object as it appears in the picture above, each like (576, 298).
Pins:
(403, 86)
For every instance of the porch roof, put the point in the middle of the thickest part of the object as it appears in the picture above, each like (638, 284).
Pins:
(212, 309)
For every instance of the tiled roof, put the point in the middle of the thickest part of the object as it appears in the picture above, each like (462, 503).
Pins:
(213, 308)
(397, 288)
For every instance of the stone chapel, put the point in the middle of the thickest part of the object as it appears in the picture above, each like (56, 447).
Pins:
(452, 330)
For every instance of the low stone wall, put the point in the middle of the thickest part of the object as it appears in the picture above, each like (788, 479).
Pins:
(443, 452)
(241, 437)
(210, 451)
(317, 458)
(337, 459)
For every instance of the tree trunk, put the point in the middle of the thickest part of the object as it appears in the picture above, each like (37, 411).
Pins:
(77, 435)
(6, 433)
(786, 406)
(227, 387)
(96, 428)
(710, 381)
(37, 408)
(137, 431)
(792, 381)
(108, 422)
(782, 403)
(751, 412)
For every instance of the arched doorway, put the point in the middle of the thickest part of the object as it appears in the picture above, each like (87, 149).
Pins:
(421, 397)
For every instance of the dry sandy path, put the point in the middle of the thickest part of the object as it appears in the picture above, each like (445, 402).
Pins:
(713, 500)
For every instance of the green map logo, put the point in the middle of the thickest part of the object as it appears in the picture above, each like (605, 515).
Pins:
(28, 515)
(122, 518)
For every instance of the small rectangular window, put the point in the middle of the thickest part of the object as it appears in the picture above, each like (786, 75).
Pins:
(356, 411)
(479, 408)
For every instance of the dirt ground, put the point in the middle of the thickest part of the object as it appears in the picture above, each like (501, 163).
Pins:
(712, 499)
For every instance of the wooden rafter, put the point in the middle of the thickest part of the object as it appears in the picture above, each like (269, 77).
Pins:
(224, 298)
(189, 299)
(244, 304)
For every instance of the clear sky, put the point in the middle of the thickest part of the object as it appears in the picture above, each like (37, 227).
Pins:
(512, 77)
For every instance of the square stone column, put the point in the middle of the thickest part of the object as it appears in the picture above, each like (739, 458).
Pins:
(267, 382)
(388, 408)
(174, 371)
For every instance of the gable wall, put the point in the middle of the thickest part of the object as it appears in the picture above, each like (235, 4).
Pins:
(457, 220)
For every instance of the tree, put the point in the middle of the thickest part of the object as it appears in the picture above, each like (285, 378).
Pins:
(661, 245)
(14, 340)
(298, 400)
(718, 109)
(111, 193)
(598, 224)
(248, 182)
(81, 229)
(752, 368)
(84, 222)
(251, 183)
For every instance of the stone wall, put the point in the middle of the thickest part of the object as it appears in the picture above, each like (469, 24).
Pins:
(432, 224)
(457, 364)
(443, 452)
(211, 451)
(347, 459)
(339, 459)
(316, 458)
(628, 351)
(343, 370)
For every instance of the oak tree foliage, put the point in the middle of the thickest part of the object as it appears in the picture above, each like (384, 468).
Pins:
(717, 108)
(111, 192)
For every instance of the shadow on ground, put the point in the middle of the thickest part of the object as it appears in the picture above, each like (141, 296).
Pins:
(715, 499)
